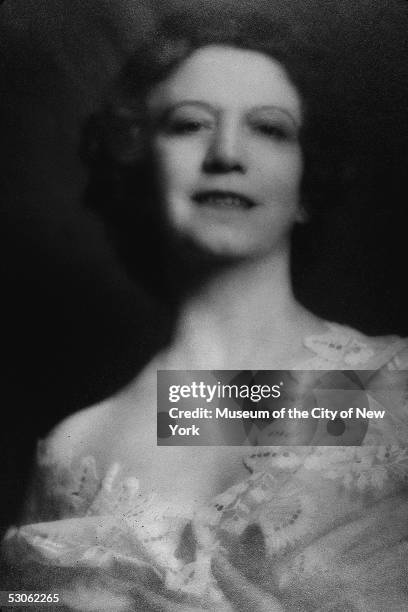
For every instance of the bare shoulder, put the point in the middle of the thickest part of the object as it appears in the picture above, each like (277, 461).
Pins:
(79, 434)
(99, 430)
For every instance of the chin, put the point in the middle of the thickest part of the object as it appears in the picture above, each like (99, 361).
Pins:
(225, 250)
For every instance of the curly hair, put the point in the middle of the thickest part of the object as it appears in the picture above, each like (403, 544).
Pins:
(346, 59)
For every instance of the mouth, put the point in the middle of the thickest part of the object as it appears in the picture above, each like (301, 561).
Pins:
(223, 200)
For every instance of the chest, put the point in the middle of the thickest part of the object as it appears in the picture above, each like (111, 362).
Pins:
(185, 476)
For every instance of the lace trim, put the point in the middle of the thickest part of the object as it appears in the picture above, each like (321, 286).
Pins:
(343, 345)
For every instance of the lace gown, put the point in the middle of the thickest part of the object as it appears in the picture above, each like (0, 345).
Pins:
(318, 528)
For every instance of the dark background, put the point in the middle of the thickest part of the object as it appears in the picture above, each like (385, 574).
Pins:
(74, 329)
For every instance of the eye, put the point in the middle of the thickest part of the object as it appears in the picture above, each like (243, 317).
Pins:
(185, 125)
(186, 120)
(273, 130)
(273, 124)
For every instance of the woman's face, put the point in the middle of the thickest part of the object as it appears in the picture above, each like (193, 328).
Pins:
(226, 151)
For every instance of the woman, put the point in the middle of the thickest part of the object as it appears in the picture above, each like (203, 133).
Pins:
(214, 148)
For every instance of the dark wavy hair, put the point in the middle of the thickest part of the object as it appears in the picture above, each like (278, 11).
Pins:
(346, 59)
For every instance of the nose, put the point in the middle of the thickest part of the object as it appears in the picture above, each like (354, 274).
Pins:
(225, 151)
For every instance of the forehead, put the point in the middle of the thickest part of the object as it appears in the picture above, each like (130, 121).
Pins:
(228, 77)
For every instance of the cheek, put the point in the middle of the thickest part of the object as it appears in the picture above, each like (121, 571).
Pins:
(177, 165)
(279, 176)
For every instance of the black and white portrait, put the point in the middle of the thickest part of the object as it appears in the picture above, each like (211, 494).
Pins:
(202, 185)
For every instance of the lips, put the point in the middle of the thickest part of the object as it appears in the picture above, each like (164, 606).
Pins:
(223, 199)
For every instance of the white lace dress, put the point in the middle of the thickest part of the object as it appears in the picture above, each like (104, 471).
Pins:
(319, 528)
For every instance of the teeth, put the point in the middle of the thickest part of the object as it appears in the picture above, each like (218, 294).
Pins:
(226, 201)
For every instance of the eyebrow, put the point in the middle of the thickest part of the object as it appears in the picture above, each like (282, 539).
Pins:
(166, 109)
(280, 109)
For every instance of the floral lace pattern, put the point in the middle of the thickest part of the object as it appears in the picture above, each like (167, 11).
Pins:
(291, 496)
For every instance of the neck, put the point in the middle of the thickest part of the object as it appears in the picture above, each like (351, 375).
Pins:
(240, 312)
